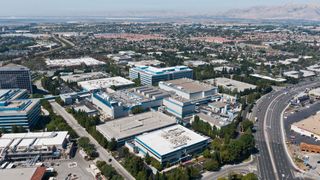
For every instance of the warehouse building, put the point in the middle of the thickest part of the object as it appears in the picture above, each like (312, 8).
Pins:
(127, 128)
(308, 127)
(230, 84)
(97, 84)
(88, 61)
(172, 145)
(84, 77)
(149, 75)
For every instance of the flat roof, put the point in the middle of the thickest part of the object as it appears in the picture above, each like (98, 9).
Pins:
(268, 78)
(13, 67)
(135, 96)
(11, 94)
(18, 173)
(311, 124)
(33, 138)
(159, 71)
(18, 107)
(214, 120)
(89, 61)
(188, 85)
(84, 76)
(170, 139)
(105, 83)
(134, 125)
(315, 92)
(231, 84)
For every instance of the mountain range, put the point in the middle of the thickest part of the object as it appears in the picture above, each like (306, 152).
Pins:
(286, 12)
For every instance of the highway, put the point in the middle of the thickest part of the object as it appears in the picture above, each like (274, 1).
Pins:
(103, 154)
(273, 160)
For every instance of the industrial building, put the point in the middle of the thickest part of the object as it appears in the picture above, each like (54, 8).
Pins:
(179, 106)
(15, 76)
(189, 89)
(84, 77)
(127, 128)
(23, 113)
(97, 84)
(169, 145)
(299, 74)
(88, 61)
(33, 145)
(188, 93)
(308, 127)
(152, 75)
(214, 120)
(230, 84)
(280, 80)
(120, 103)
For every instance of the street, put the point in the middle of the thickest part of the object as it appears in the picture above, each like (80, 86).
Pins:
(103, 154)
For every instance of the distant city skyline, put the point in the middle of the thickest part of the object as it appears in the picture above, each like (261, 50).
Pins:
(128, 7)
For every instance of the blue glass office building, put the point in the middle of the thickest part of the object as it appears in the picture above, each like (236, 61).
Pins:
(24, 113)
(152, 75)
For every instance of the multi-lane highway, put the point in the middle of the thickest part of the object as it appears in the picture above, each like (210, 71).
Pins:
(273, 160)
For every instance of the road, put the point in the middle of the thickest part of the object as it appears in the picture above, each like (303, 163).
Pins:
(103, 154)
(246, 167)
(273, 159)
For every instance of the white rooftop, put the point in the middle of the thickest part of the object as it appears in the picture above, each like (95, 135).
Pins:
(73, 62)
(231, 84)
(170, 139)
(105, 83)
(33, 138)
(135, 125)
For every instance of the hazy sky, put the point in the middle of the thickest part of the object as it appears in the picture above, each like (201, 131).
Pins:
(109, 7)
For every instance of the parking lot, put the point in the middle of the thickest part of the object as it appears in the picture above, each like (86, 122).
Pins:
(291, 117)
(77, 168)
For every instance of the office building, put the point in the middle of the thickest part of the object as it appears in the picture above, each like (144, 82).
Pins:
(127, 128)
(179, 107)
(188, 93)
(23, 113)
(152, 75)
(172, 145)
(15, 76)
(120, 103)
(13, 94)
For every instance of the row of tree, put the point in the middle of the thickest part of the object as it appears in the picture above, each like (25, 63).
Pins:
(89, 148)
(89, 123)
(55, 122)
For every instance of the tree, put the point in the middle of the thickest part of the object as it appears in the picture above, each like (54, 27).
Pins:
(137, 110)
(246, 124)
(212, 165)
(147, 158)
(250, 176)
(112, 145)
